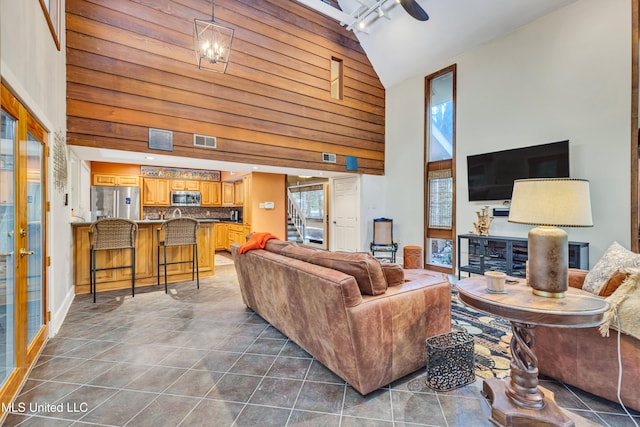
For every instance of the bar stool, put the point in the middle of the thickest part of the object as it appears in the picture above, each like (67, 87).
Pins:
(178, 232)
(108, 234)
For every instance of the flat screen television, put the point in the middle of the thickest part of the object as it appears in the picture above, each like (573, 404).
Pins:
(491, 175)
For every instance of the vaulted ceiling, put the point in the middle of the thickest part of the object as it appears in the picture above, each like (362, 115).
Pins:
(400, 47)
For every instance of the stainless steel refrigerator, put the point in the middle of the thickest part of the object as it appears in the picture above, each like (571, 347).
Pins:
(115, 202)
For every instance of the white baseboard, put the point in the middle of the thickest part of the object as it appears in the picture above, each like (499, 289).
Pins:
(59, 315)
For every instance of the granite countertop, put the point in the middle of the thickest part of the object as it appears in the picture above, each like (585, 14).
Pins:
(160, 221)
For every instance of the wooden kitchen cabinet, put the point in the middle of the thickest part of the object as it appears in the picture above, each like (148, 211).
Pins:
(185, 185)
(155, 192)
(237, 234)
(116, 180)
(227, 194)
(238, 193)
(222, 237)
(210, 193)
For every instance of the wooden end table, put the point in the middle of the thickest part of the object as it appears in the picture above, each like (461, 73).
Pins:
(518, 400)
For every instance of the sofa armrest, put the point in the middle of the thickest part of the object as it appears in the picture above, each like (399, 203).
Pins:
(576, 277)
(401, 319)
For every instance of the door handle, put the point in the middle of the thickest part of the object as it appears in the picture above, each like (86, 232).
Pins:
(6, 253)
(24, 252)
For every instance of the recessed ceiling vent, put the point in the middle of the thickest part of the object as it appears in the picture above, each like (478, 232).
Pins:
(204, 141)
(328, 157)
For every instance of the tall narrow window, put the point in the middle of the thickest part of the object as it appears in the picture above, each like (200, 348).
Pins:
(51, 9)
(336, 78)
(439, 169)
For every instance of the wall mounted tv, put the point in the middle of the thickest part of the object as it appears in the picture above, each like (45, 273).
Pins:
(491, 175)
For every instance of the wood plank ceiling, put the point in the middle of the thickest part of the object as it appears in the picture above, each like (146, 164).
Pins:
(131, 66)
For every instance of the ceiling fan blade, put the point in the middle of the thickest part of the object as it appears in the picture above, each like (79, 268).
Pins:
(414, 9)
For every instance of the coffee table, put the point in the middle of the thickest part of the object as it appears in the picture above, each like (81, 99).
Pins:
(518, 400)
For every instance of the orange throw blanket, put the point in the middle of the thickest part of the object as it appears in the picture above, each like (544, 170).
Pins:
(256, 241)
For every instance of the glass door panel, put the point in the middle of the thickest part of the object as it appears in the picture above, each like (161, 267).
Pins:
(7, 247)
(35, 241)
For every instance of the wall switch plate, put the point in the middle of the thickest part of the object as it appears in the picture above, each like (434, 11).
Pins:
(269, 205)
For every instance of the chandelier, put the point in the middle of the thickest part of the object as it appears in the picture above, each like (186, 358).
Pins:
(212, 43)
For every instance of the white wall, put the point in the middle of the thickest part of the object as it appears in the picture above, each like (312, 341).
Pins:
(35, 72)
(371, 207)
(565, 76)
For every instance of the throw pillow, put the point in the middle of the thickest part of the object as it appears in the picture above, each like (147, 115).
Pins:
(393, 273)
(615, 258)
(361, 265)
(276, 246)
(613, 283)
(298, 252)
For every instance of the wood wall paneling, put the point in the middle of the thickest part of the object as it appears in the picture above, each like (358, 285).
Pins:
(131, 66)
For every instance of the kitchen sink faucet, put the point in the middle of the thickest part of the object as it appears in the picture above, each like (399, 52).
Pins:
(179, 213)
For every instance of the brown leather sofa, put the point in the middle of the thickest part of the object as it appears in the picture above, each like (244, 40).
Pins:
(367, 340)
(585, 359)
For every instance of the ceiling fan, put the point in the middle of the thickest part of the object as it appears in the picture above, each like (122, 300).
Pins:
(365, 12)
(414, 9)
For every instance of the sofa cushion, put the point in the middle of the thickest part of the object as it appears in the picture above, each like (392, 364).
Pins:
(276, 246)
(393, 274)
(298, 252)
(615, 258)
(365, 268)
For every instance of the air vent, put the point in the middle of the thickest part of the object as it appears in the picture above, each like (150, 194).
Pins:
(204, 141)
(328, 157)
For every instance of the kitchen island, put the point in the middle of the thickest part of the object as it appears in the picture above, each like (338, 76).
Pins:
(146, 258)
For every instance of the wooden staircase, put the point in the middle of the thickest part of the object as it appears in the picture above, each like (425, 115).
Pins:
(293, 234)
(296, 221)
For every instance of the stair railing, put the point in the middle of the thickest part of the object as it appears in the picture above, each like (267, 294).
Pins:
(296, 215)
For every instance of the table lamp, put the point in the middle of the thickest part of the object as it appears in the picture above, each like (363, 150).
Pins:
(550, 203)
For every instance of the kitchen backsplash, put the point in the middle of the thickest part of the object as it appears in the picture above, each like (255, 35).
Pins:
(152, 212)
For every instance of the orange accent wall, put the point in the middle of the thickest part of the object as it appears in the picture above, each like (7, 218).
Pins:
(268, 187)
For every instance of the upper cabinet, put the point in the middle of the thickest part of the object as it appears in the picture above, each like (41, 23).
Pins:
(156, 192)
(116, 180)
(238, 193)
(228, 194)
(185, 185)
(211, 193)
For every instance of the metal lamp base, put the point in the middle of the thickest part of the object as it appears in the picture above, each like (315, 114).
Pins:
(548, 261)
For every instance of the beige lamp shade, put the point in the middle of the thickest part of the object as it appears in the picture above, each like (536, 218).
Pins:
(550, 203)
(554, 202)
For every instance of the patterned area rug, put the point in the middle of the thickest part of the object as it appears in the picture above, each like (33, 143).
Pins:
(491, 338)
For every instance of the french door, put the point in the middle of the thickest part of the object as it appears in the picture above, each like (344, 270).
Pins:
(23, 328)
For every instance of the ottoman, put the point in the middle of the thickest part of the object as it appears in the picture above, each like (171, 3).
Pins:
(412, 257)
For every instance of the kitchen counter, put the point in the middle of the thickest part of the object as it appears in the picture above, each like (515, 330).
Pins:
(160, 221)
(146, 258)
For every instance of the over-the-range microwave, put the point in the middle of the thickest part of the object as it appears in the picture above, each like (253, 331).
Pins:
(185, 198)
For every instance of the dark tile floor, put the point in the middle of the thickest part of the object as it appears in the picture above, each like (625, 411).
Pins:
(200, 358)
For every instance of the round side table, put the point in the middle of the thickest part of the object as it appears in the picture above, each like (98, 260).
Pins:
(412, 257)
(518, 400)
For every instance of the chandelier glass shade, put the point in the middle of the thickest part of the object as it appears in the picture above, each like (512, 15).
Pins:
(212, 44)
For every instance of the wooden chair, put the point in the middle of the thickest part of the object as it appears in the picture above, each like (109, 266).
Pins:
(178, 232)
(383, 239)
(107, 234)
